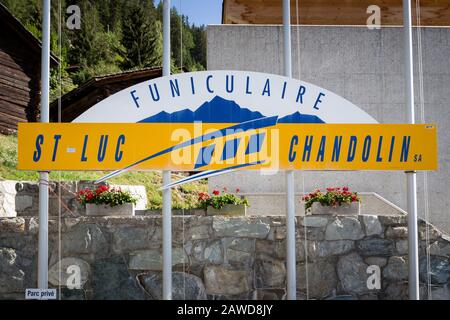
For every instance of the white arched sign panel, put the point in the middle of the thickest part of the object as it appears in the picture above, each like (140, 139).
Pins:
(227, 93)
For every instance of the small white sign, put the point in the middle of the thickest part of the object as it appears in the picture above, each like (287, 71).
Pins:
(40, 294)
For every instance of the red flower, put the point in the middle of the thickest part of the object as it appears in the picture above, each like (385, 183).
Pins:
(225, 189)
(238, 190)
(203, 196)
(102, 189)
(330, 189)
(345, 188)
(216, 192)
(306, 198)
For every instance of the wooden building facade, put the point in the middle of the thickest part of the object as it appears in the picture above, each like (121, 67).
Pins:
(333, 12)
(20, 63)
(77, 101)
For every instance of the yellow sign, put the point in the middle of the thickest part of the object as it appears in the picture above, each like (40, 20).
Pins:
(260, 144)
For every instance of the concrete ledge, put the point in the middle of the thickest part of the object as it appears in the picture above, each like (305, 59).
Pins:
(274, 204)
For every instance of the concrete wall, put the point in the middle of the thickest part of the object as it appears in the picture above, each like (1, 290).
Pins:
(220, 257)
(364, 66)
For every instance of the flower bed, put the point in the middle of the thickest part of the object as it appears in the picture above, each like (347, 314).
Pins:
(333, 198)
(222, 202)
(106, 201)
(106, 196)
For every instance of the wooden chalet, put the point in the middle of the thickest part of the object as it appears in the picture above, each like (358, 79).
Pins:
(20, 73)
(75, 102)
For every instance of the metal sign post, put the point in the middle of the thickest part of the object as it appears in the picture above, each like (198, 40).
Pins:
(411, 175)
(43, 176)
(166, 194)
(290, 183)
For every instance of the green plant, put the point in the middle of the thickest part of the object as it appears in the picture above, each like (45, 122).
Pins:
(105, 195)
(333, 197)
(218, 199)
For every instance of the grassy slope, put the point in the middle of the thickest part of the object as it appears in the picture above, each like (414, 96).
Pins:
(182, 197)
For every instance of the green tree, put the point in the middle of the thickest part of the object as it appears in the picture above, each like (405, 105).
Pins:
(115, 35)
(141, 35)
(198, 51)
(93, 50)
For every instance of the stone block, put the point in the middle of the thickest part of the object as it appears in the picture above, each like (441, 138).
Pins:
(225, 281)
(402, 246)
(440, 293)
(329, 248)
(242, 244)
(279, 233)
(396, 232)
(207, 252)
(152, 259)
(238, 259)
(11, 275)
(439, 269)
(396, 269)
(393, 220)
(313, 234)
(184, 286)
(433, 233)
(396, 291)
(198, 232)
(12, 225)
(344, 228)
(352, 273)
(266, 247)
(239, 227)
(322, 279)
(24, 202)
(375, 247)
(129, 238)
(270, 294)
(270, 273)
(439, 248)
(377, 261)
(84, 238)
(213, 253)
(112, 281)
(372, 225)
(314, 221)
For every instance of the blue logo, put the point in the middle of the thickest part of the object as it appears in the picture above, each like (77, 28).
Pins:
(219, 110)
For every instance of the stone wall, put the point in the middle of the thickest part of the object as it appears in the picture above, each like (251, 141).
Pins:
(22, 198)
(220, 258)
